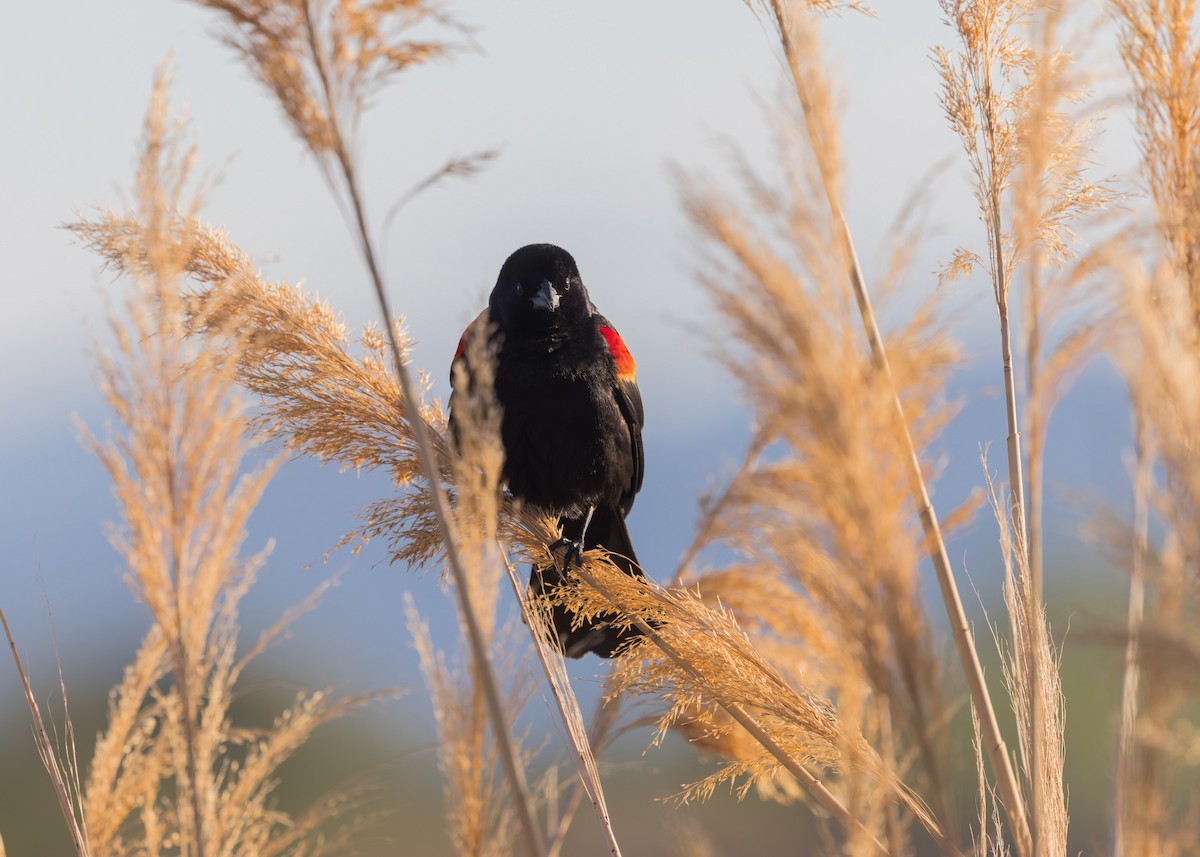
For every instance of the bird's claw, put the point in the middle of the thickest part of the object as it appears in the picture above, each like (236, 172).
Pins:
(572, 553)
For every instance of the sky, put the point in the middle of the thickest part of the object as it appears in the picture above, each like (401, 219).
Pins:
(591, 106)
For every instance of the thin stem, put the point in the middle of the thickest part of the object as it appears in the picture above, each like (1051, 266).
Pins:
(1035, 618)
(1032, 602)
(500, 726)
(182, 667)
(568, 711)
(606, 716)
(1032, 551)
(1000, 284)
(1016, 480)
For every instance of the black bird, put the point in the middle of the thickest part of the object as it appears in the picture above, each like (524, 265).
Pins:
(572, 420)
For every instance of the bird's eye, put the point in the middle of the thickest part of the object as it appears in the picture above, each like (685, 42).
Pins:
(520, 289)
(566, 285)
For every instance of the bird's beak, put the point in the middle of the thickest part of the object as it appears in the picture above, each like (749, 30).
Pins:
(546, 297)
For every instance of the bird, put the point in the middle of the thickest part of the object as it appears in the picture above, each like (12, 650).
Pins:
(571, 424)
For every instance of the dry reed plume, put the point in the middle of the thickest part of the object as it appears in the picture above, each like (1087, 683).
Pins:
(172, 773)
(821, 515)
(1008, 92)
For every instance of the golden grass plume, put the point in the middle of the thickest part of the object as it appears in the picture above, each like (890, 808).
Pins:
(821, 517)
(172, 770)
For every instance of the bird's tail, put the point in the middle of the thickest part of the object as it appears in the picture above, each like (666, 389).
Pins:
(607, 530)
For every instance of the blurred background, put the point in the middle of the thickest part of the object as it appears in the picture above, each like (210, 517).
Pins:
(590, 105)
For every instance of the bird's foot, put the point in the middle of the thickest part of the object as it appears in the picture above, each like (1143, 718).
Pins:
(571, 553)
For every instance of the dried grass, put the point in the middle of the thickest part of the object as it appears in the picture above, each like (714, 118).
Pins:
(823, 504)
(171, 772)
(822, 518)
(1008, 92)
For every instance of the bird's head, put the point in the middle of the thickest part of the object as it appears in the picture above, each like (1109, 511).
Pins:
(539, 294)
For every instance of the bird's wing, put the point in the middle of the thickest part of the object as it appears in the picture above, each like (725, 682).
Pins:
(460, 353)
(629, 400)
(461, 358)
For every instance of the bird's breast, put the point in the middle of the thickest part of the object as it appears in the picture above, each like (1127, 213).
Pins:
(566, 443)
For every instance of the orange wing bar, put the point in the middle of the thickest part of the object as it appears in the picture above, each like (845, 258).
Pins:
(626, 368)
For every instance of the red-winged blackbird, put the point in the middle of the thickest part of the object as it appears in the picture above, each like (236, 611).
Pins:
(572, 420)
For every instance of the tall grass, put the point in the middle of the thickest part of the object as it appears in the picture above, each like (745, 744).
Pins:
(172, 772)
(1007, 92)
(807, 660)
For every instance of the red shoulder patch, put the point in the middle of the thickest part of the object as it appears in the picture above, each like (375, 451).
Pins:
(462, 340)
(626, 368)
